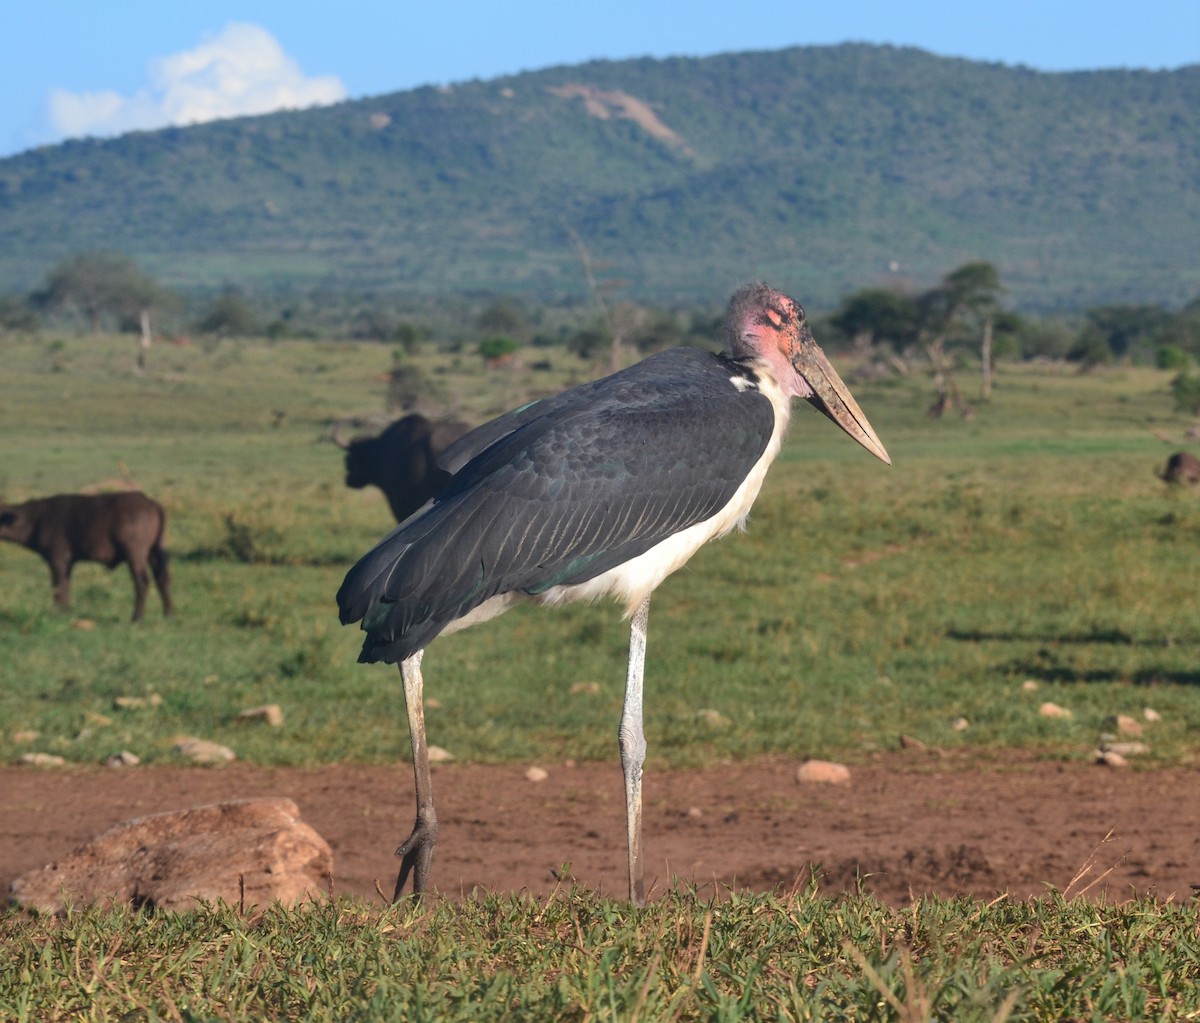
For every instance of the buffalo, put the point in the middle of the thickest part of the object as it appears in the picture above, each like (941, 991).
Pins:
(401, 461)
(1181, 468)
(108, 528)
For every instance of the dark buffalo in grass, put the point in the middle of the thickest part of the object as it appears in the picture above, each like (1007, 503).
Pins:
(401, 461)
(107, 528)
(1181, 468)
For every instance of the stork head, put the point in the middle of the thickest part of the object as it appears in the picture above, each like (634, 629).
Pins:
(766, 324)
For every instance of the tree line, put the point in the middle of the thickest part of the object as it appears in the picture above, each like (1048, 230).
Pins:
(960, 323)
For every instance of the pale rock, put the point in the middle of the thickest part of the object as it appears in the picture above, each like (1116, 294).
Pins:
(1029, 685)
(695, 813)
(202, 751)
(713, 718)
(1126, 749)
(269, 714)
(536, 774)
(1123, 724)
(959, 725)
(248, 852)
(1053, 710)
(99, 720)
(40, 760)
(437, 755)
(123, 759)
(1151, 715)
(83, 624)
(823, 771)
(137, 702)
(1110, 758)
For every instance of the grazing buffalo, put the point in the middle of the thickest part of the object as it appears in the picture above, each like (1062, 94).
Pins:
(401, 461)
(108, 528)
(1181, 468)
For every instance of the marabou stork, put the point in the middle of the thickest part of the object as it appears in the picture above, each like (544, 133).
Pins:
(604, 490)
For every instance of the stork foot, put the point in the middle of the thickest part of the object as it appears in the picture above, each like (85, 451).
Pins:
(416, 854)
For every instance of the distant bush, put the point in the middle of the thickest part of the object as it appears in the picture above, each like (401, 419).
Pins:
(1172, 357)
(492, 348)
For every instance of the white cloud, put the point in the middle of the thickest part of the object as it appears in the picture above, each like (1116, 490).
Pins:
(240, 70)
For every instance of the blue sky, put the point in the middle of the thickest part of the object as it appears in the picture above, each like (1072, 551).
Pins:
(69, 68)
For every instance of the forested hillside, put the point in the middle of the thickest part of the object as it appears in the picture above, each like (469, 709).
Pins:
(823, 168)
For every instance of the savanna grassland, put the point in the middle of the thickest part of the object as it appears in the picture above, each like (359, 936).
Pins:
(1030, 542)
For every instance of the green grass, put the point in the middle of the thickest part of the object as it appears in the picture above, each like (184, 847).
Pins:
(1032, 542)
(575, 956)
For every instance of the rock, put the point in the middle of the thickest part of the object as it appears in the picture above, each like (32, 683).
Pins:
(1053, 710)
(249, 852)
(695, 813)
(123, 759)
(959, 725)
(536, 774)
(269, 714)
(1123, 724)
(40, 760)
(1126, 749)
(713, 718)
(437, 755)
(1151, 715)
(1029, 685)
(99, 720)
(83, 624)
(823, 771)
(201, 751)
(1110, 758)
(137, 702)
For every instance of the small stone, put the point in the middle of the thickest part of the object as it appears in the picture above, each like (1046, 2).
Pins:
(1123, 724)
(590, 688)
(202, 751)
(1029, 685)
(437, 755)
(27, 735)
(269, 714)
(713, 718)
(1126, 749)
(536, 774)
(695, 813)
(823, 771)
(959, 725)
(123, 759)
(40, 760)
(1110, 758)
(1053, 710)
(99, 720)
(83, 624)
(1151, 715)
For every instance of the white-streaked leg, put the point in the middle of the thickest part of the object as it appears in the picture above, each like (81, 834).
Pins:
(632, 738)
(417, 849)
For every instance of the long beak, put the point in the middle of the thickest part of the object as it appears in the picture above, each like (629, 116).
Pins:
(833, 397)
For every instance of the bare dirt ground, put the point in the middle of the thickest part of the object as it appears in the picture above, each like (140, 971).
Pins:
(907, 826)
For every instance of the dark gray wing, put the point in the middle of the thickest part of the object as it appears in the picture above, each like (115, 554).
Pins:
(598, 476)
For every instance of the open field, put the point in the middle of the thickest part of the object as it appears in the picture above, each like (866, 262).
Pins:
(1031, 543)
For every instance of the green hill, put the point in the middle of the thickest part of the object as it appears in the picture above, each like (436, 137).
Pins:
(824, 169)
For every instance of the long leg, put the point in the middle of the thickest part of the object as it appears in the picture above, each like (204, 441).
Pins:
(632, 739)
(160, 565)
(417, 850)
(141, 583)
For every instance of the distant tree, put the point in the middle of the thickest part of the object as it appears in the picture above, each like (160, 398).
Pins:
(1125, 328)
(105, 283)
(1185, 389)
(16, 314)
(97, 284)
(504, 317)
(229, 315)
(874, 316)
(587, 342)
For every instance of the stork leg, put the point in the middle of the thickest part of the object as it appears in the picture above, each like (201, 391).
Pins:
(632, 738)
(417, 850)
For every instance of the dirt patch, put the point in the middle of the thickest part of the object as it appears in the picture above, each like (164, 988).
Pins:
(904, 828)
